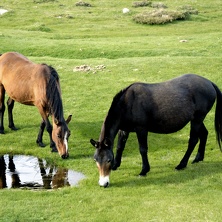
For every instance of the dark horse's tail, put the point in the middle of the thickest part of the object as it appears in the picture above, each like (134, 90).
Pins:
(218, 116)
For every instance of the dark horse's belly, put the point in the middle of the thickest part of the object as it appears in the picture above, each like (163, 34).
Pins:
(156, 128)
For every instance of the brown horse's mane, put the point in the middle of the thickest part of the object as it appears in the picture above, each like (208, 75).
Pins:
(53, 95)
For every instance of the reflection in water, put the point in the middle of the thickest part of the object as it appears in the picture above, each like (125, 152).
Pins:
(21, 171)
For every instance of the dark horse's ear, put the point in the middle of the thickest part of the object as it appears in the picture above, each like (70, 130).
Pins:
(107, 142)
(94, 143)
(68, 119)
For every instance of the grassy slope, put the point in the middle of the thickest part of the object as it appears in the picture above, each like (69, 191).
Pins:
(130, 52)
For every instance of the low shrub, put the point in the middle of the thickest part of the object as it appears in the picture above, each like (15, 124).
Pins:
(160, 16)
(158, 5)
(189, 9)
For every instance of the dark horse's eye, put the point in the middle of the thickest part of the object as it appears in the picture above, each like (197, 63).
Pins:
(109, 160)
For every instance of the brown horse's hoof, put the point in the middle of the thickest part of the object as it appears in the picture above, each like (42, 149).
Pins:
(40, 144)
(13, 128)
(54, 150)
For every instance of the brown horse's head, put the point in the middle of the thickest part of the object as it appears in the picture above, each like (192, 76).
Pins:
(104, 159)
(60, 136)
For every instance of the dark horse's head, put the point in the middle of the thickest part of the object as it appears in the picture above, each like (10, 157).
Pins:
(104, 159)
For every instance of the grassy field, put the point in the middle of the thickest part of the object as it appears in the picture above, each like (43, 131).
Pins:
(65, 36)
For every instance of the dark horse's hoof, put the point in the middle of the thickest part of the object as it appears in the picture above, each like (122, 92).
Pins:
(180, 167)
(144, 172)
(115, 166)
(198, 158)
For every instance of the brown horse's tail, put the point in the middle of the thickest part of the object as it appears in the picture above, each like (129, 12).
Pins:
(218, 116)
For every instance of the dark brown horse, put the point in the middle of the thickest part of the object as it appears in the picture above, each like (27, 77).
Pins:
(37, 85)
(159, 108)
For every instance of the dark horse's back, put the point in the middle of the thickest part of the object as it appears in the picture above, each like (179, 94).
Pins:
(166, 107)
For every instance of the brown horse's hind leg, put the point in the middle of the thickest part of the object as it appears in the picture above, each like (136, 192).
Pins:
(2, 108)
(10, 104)
(122, 138)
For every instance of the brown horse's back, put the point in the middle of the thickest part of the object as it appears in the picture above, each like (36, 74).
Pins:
(18, 76)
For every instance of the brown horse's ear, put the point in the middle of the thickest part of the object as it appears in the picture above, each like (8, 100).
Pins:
(56, 121)
(68, 119)
(94, 143)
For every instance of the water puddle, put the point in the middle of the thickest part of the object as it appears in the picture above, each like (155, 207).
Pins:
(29, 172)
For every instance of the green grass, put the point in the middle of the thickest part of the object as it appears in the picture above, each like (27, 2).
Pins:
(65, 36)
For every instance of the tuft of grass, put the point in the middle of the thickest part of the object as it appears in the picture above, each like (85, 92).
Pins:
(160, 16)
(85, 4)
(141, 4)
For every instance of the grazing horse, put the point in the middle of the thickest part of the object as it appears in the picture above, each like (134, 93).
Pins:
(159, 108)
(37, 85)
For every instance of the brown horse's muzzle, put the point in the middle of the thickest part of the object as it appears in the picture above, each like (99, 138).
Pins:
(65, 156)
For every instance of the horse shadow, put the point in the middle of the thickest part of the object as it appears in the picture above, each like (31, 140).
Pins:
(168, 176)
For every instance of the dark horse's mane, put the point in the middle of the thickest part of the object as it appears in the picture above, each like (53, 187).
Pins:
(53, 95)
(115, 103)
(117, 97)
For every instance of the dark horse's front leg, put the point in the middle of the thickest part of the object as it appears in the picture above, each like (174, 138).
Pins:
(143, 146)
(10, 104)
(40, 134)
(122, 138)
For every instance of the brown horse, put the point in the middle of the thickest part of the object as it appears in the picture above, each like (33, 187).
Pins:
(37, 85)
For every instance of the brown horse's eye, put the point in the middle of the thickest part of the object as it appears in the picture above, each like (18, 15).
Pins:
(59, 136)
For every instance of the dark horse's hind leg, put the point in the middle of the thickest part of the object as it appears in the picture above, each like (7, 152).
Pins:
(122, 138)
(143, 146)
(2, 108)
(195, 132)
(203, 133)
(10, 104)
(40, 134)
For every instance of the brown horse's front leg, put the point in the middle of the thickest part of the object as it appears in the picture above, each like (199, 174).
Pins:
(46, 124)
(10, 104)
(2, 108)
(39, 138)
